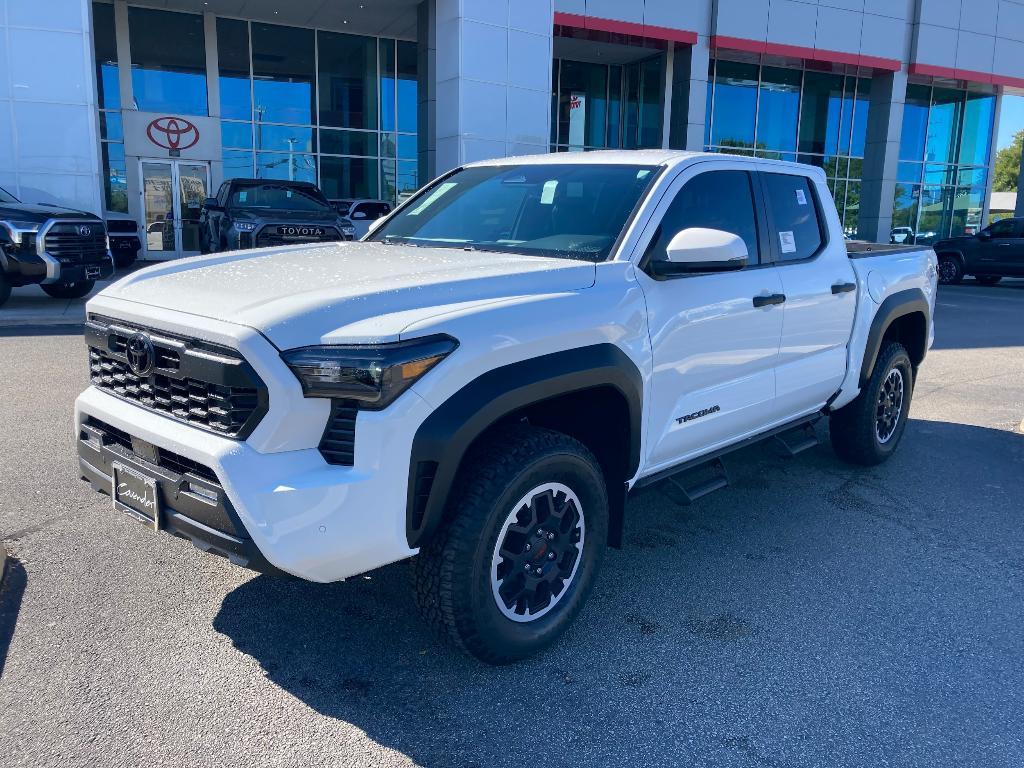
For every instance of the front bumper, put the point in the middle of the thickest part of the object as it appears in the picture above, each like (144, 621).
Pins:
(290, 510)
(31, 268)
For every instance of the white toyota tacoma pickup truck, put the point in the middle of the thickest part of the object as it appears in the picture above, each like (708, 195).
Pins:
(484, 379)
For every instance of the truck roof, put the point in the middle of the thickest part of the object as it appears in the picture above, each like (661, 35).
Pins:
(659, 157)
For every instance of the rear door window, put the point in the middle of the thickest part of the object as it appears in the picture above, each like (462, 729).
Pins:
(794, 214)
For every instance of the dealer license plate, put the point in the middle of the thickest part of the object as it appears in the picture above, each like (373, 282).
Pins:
(135, 493)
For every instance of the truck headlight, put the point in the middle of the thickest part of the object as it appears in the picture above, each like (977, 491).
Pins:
(16, 230)
(244, 226)
(373, 374)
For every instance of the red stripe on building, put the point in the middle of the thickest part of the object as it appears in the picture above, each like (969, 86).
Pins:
(970, 75)
(802, 52)
(598, 24)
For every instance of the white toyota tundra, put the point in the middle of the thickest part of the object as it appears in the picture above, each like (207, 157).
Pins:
(485, 378)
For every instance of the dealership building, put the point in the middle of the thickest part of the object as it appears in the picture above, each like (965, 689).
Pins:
(142, 109)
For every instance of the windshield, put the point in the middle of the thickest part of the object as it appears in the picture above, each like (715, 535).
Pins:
(279, 197)
(7, 197)
(569, 211)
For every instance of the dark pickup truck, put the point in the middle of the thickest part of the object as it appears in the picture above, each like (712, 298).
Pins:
(992, 254)
(256, 213)
(61, 250)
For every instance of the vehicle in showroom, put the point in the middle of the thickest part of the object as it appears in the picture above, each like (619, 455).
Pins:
(256, 213)
(483, 380)
(994, 253)
(62, 251)
(125, 242)
(362, 213)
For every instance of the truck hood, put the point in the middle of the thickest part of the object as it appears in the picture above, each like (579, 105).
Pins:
(40, 213)
(329, 218)
(356, 292)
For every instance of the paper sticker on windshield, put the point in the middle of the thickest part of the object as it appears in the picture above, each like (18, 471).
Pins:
(787, 241)
(801, 198)
(243, 196)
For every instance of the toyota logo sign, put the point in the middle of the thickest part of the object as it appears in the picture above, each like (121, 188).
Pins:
(173, 133)
(85, 230)
(140, 354)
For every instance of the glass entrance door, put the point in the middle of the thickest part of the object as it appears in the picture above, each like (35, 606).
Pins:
(173, 192)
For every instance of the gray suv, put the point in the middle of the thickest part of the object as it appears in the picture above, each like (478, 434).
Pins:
(256, 213)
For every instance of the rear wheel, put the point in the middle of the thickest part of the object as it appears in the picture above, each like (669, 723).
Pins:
(868, 430)
(988, 279)
(72, 290)
(950, 270)
(517, 557)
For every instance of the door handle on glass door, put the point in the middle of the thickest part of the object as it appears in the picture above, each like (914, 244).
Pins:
(774, 298)
(844, 287)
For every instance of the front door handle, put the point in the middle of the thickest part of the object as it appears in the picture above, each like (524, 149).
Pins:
(844, 287)
(774, 298)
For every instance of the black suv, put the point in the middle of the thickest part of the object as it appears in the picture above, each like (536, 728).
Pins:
(62, 250)
(992, 254)
(255, 213)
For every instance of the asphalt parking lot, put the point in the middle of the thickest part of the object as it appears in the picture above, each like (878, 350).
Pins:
(812, 614)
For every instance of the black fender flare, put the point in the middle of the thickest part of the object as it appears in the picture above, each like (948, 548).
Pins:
(897, 305)
(441, 441)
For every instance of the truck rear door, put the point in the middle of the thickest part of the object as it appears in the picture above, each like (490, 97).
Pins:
(820, 288)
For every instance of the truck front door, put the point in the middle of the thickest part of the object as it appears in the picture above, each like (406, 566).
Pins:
(714, 350)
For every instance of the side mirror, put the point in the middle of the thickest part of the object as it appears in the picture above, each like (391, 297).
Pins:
(984, 235)
(696, 250)
(357, 215)
(211, 204)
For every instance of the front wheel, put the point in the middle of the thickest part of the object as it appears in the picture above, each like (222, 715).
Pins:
(950, 270)
(867, 430)
(5, 289)
(74, 290)
(988, 279)
(521, 548)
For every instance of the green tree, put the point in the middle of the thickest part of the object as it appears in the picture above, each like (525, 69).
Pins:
(1007, 170)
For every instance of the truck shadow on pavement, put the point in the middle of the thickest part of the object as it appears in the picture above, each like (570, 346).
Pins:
(12, 587)
(738, 629)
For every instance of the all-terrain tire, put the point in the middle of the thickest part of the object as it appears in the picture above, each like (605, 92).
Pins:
(75, 290)
(455, 577)
(951, 271)
(867, 430)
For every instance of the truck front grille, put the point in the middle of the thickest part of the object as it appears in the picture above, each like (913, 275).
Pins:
(206, 385)
(76, 243)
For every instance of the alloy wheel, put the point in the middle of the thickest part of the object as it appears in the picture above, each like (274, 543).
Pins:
(890, 406)
(537, 552)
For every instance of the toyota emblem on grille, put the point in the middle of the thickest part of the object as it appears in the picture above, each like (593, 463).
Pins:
(85, 230)
(140, 353)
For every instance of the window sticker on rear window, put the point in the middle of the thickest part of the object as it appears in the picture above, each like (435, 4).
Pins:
(787, 242)
(801, 198)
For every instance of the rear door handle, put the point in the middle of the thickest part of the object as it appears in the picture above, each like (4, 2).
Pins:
(774, 298)
(844, 287)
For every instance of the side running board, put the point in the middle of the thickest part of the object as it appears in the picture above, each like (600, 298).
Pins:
(797, 440)
(687, 486)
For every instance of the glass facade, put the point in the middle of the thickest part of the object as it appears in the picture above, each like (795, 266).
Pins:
(115, 176)
(295, 103)
(602, 106)
(811, 117)
(168, 61)
(943, 162)
(319, 106)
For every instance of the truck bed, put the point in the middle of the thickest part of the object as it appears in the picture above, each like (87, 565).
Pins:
(861, 249)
